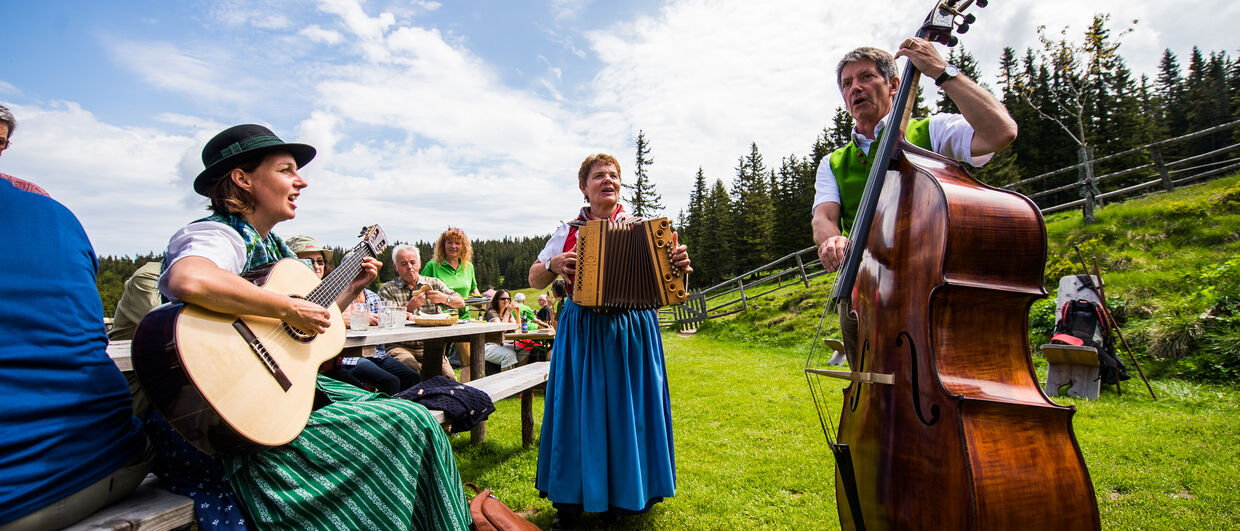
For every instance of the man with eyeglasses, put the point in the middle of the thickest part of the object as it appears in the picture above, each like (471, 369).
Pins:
(405, 290)
(7, 125)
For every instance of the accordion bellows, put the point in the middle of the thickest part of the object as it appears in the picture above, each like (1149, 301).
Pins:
(627, 265)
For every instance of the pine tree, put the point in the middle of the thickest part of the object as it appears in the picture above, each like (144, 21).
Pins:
(715, 255)
(790, 223)
(693, 226)
(752, 210)
(840, 133)
(644, 201)
(1170, 88)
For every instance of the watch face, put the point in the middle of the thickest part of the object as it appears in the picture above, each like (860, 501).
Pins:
(951, 70)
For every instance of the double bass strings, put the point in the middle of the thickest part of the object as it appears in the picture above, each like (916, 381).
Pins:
(815, 360)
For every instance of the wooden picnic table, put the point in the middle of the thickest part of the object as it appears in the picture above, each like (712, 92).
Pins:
(433, 339)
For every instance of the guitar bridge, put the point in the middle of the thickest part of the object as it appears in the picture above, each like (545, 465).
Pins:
(259, 350)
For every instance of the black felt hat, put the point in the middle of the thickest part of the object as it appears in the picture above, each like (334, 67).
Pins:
(238, 143)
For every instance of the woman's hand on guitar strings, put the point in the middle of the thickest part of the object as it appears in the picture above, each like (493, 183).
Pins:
(306, 316)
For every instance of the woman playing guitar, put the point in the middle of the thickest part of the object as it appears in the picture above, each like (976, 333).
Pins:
(386, 459)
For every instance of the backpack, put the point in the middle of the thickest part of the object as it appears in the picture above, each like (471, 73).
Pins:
(1083, 323)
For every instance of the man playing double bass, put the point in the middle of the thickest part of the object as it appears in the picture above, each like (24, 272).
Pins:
(868, 82)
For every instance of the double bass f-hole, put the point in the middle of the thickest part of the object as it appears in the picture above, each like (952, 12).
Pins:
(912, 361)
(855, 396)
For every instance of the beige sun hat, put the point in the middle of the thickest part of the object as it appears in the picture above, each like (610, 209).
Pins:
(307, 244)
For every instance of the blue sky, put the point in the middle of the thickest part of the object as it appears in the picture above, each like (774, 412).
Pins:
(467, 113)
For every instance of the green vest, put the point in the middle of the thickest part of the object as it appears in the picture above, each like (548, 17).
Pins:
(851, 167)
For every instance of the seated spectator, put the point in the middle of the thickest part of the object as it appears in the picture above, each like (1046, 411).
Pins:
(69, 443)
(489, 292)
(7, 125)
(502, 310)
(559, 292)
(140, 295)
(527, 313)
(404, 290)
(544, 314)
(386, 460)
(452, 262)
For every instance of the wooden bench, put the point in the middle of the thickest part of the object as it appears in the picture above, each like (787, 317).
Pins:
(1067, 364)
(506, 384)
(149, 508)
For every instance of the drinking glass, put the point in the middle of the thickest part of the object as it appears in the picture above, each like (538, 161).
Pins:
(359, 318)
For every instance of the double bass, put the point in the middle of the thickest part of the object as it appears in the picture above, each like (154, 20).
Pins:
(943, 424)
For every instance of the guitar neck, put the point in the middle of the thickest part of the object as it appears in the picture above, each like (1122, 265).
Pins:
(335, 283)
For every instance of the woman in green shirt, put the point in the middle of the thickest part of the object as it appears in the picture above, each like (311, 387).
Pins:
(452, 263)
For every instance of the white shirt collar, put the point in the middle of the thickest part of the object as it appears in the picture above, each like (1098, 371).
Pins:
(860, 139)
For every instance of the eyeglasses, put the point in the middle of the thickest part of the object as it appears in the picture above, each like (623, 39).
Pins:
(318, 261)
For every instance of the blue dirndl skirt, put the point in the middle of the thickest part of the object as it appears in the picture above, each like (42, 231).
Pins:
(607, 421)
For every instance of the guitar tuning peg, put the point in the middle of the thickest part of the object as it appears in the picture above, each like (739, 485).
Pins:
(969, 19)
(982, 3)
(963, 28)
(953, 41)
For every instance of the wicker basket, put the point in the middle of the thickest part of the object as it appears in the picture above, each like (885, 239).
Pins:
(433, 321)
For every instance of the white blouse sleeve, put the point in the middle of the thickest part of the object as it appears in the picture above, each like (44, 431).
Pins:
(555, 245)
(212, 240)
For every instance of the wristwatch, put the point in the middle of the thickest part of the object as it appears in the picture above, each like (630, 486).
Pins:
(547, 265)
(949, 72)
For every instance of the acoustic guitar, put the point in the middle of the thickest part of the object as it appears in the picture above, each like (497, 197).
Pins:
(235, 384)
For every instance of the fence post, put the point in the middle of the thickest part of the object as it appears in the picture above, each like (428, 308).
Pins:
(1085, 176)
(744, 300)
(801, 266)
(1156, 155)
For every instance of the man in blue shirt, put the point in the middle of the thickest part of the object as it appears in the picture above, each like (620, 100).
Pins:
(69, 443)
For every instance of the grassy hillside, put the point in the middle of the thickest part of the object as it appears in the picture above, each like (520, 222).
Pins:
(1171, 263)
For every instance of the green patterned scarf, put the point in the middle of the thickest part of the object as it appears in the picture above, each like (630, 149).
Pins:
(259, 251)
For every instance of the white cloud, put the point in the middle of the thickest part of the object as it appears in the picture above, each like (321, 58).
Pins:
(197, 74)
(317, 34)
(416, 131)
(563, 9)
(123, 183)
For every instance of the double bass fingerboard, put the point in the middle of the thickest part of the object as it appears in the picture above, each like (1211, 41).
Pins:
(627, 265)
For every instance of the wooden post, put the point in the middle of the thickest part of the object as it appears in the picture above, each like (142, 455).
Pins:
(527, 417)
(801, 266)
(1157, 157)
(1089, 189)
(744, 300)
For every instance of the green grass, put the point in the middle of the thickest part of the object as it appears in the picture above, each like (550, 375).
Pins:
(750, 452)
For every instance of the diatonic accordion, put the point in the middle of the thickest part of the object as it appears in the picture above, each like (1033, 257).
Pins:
(627, 265)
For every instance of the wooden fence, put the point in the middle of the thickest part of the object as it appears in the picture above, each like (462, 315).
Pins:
(732, 296)
(1158, 172)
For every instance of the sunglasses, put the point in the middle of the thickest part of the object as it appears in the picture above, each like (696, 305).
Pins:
(505, 299)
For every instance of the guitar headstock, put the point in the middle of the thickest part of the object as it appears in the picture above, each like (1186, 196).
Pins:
(948, 16)
(373, 238)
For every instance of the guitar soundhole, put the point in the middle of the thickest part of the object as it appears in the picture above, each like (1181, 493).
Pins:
(297, 334)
